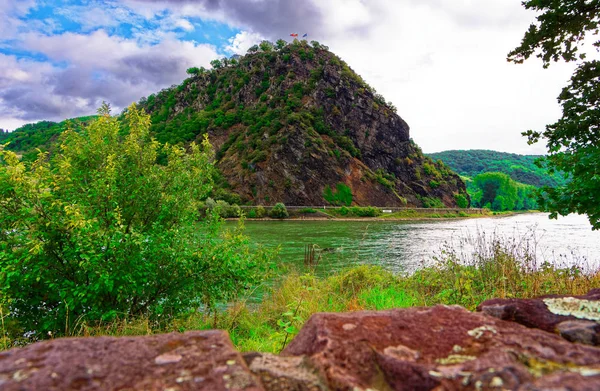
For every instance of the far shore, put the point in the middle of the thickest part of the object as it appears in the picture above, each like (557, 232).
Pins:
(391, 218)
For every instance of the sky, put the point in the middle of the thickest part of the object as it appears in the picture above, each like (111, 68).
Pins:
(442, 63)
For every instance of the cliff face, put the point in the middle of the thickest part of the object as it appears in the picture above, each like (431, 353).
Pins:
(297, 125)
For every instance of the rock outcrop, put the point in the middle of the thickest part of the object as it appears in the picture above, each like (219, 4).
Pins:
(290, 123)
(576, 318)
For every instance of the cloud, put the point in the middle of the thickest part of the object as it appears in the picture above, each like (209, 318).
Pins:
(99, 67)
(269, 18)
(441, 62)
(242, 42)
(10, 13)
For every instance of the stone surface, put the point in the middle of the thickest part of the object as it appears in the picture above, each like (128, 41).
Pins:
(574, 317)
(199, 360)
(443, 348)
(279, 373)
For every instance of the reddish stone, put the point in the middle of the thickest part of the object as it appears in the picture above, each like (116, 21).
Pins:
(535, 313)
(445, 347)
(199, 360)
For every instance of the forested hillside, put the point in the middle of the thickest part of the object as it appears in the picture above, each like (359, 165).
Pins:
(28, 138)
(520, 168)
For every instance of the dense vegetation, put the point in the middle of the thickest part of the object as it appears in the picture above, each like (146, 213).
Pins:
(520, 168)
(573, 142)
(500, 181)
(42, 135)
(498, 192)
(107, 227)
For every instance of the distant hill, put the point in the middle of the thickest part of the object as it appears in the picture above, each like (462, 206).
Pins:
(520, 168)
(28, 138)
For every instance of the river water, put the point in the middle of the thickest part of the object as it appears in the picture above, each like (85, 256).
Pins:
(403, 246)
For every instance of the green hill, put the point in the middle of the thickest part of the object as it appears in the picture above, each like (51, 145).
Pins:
(41, 135)
(520, 168)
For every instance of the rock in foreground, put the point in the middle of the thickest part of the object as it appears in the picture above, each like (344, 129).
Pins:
(199, 360)
(441, 348)
(573, 317)
(438, 348)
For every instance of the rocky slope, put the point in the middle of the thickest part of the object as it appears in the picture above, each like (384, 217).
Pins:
(295, 124)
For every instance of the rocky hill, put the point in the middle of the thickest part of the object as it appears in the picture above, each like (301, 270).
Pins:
(295, 124)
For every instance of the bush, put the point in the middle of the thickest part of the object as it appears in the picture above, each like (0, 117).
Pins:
(260, 211)
(100, 230)
(342, 195)
(461, 201)
(226, 210)
(279, 211)
(368, 211)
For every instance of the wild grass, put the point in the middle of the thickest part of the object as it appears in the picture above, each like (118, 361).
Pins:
(466, 273)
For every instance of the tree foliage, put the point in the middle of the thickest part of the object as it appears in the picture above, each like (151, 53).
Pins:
(100, 229)
(573, 142)
(496, 191)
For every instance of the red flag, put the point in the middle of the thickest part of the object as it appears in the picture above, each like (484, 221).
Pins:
(293, 35)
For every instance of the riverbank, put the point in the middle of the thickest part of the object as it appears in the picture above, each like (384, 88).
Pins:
(498, 268)
(392, 217)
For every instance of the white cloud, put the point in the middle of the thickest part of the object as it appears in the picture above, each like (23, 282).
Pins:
(242, 42)
(447, 73)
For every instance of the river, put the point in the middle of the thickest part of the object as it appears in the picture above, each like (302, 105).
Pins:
(403, 246)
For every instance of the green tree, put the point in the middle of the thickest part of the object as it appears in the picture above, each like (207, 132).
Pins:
(100, 229)
(266, 46)
(495, 190)
(216, 64)
(280, 44)
(573, 142)
(193, 71)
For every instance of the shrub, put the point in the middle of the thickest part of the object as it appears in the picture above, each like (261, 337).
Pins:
(368, 211)
(461, 201)
(260, 211)
(100, 230)
(279, 211)
(342, 195)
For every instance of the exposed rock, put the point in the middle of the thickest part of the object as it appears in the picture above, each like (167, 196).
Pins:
(279, 373)
(574, 317)
(297, 120)
(199, 360)
(444, 347)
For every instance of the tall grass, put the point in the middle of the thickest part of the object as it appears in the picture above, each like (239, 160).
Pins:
(466, 273)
